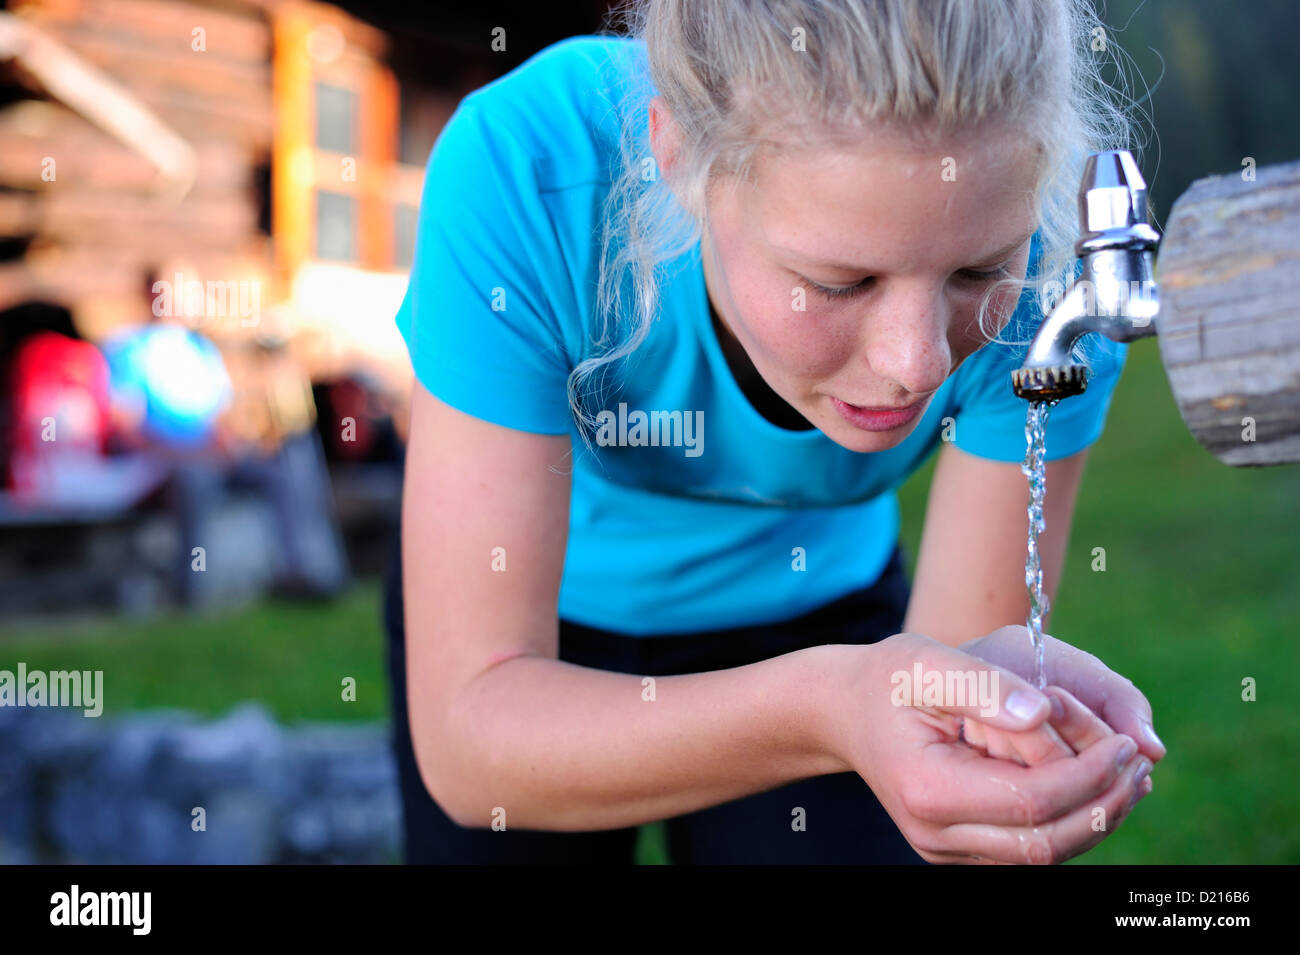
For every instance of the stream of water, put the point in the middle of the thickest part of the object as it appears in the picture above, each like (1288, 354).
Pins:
(1035, 470)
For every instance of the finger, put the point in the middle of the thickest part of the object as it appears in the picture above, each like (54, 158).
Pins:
(1112, 697)
(998, 745)
(1109, 695)
(1073, 834)
(986, 739)
(1079, 726)
(959, 684)
(1001, 793)
(1130, 714)
(1028, 748)
(974, 733)
(1039, 745)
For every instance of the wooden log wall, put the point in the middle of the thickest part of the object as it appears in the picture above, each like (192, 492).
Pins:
(103, 223)
(1229, 323)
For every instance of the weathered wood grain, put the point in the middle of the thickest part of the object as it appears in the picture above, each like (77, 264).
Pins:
(1229, 325)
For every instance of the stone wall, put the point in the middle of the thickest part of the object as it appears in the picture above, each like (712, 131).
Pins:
(123, 790)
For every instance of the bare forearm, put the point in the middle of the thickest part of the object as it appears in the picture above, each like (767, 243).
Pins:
(970, 571)
(562, 747)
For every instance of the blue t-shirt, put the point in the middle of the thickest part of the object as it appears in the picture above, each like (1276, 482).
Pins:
(175, 376)
(734, 522)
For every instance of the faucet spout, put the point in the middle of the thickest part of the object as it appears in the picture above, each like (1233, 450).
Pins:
(1116, 294)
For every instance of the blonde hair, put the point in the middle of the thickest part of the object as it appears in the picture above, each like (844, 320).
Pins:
(728, 70)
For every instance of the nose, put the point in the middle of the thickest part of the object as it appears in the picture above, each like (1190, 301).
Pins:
(905, 339)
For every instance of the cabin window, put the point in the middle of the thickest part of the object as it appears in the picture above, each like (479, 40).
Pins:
(336, 119)
(337, 187)
(404, 217)
(336, 226)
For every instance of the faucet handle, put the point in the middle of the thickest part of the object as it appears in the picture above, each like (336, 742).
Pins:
(1113, 204)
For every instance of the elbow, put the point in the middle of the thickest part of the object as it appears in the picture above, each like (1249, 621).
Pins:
(467, 770)
(447, 798)
(447, 781)
(473, 787)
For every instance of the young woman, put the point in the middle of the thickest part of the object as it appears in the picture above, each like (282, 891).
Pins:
(687, 307)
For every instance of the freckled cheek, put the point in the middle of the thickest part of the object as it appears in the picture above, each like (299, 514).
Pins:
(797, 345)
(965, 337)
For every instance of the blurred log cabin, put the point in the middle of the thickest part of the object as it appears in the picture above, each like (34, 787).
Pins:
(264, 153)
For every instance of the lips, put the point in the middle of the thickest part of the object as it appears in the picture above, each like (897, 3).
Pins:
(885, 410)
(877, 419)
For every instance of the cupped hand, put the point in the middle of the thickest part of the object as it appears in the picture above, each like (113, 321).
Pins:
(1072, 725)
(1113, 698)
(950, 800)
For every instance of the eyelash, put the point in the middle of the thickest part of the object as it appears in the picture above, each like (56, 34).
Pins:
(1000, 272)
(834, 293)
(848, 291)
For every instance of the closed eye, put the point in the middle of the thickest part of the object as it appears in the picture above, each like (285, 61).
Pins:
(847, 291)
(975, 275)
(834, 292)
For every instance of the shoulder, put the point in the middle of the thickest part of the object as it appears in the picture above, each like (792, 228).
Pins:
(562, 108)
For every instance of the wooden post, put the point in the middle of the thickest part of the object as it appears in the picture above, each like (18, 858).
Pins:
(1229, 322)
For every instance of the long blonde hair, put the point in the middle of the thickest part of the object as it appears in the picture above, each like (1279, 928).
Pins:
(728, 69)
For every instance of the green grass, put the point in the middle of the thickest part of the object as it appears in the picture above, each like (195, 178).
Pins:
(292, 657)
(1198, 593)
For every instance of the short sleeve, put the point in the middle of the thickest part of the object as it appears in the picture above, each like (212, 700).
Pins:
(477, 317)
(990, 420)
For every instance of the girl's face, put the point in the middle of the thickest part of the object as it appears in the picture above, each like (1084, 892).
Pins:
(852, 277)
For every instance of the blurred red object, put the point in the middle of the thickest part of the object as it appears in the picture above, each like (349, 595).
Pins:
(61, 406)
(350, 402)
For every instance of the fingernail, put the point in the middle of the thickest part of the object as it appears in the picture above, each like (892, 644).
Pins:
(1149, 733)
(1126, 753)
(1022, 705)
(1141, 772)
(1058, 708)
(1144, 767)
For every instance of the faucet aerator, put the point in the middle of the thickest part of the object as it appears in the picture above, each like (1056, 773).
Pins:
(1051, 383)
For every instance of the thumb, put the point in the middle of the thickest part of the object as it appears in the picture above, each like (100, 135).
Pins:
(950, 681)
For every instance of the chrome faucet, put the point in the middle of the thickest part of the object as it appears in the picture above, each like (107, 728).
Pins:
(1115, 296)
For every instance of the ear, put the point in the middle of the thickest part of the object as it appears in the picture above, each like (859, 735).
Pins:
(665, 135)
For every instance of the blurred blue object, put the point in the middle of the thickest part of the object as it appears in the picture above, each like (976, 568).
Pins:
(174, 378)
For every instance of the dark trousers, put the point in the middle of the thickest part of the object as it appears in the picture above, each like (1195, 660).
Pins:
(294, 481)
(843, 821)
